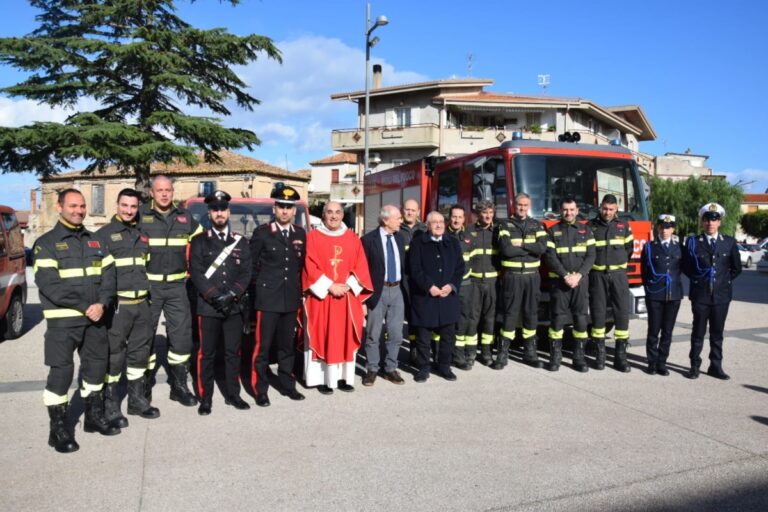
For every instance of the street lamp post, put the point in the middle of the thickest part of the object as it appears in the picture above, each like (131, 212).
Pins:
(369, 43)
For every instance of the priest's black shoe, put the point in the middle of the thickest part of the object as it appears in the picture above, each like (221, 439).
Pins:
(237, 403)
(718, 373)
(262, 400)
(661, 369)
(693, 373)
(204, 409)
(650, 369)
(343, 386)
(447, 375)
(325, 390)
(294, 395)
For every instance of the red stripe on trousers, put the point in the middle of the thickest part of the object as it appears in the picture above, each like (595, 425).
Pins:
(256, 348)
(200, 356)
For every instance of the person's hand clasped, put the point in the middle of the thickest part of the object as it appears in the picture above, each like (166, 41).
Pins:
(94, 312)
(338, 290)
(434, 291)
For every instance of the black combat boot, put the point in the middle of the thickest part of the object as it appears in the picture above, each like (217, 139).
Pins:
(502, 354)
(148, 383)
(600, 357)
(94, 416)
(60, 437)
(579, 363)
(179, 390)
(138, 405)
(555, 354)
(471, 354)
(620, 357)
(530, 355)
(485, 355)
(460, 358)
(112, 407)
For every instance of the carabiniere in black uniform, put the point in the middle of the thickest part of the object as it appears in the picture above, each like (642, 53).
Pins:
(278, 254)
(661, 270)
(220, 269)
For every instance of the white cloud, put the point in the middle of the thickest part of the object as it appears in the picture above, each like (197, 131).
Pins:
(754, 181)
(15, 113)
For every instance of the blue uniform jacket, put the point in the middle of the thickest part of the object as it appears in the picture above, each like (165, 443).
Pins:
(711, 273)
(662, 271)
(434, 263)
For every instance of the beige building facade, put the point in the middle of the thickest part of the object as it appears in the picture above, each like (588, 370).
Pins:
(238, 175)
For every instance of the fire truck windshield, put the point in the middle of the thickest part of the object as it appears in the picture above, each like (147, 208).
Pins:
(550, 178)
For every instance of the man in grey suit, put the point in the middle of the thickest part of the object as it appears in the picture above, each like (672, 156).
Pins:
(385, 251)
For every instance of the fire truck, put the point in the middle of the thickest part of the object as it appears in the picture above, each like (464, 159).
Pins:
(547, 171)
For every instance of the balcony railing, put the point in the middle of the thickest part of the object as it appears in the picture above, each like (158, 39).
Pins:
(416, 135)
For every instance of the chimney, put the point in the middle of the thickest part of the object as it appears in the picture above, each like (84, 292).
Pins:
(377, 76)
(33, 201)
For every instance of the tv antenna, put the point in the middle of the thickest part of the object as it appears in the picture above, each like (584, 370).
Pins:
(470, 61)
(544, 82)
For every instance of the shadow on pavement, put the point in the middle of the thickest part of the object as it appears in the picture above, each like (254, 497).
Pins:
(760, 419)
(756, 388)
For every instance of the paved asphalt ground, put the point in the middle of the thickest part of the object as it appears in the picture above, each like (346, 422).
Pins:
(520, 439)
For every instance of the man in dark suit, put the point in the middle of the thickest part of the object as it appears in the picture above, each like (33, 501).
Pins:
(436, 269)
(220, 269)
(711, 261)
(385, 251)
(278, 250)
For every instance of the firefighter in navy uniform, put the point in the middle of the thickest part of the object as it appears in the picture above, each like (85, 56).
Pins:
(74, 273)
(483, 264)
(570, 255)
(278, 250)
(169, 229)
(608, 283)
(130, 322)
(522, 243)
(456, 229)
(661, 270)
(711, 261)
(220, 269)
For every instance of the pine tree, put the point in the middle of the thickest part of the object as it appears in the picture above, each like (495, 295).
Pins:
(141, 65)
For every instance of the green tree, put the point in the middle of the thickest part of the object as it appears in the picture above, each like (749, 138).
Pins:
(755, 224)
(683, 199)
(140, 64)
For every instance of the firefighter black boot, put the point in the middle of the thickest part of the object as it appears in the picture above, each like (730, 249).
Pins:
(471, 352)
(620, 357)
(555, 354)
(112, 407)
(148, 385)
(600, 357)
(530, 356)
(460, 358)
(502, 354)
(579, 363)
(138, 404)
(94, 416)
(179, 390)
(485, 354)
(60, 437)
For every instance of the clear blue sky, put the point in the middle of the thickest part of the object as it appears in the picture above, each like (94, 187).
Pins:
(694, 67)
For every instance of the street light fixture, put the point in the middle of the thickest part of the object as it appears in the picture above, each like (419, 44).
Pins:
(369, 43)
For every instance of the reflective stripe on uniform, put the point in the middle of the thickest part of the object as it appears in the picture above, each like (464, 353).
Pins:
(459, 340)
(112, 379)
(169, 277)
(61, 313)
(470, 339)
(510, 335)
(620, 334)
(579, 335)
(578, 248)
(528, 333)
(51, 398)
(609, 267)
(45, 263)
(174, 358)
(521, 264)
(482, 275)
(555, 335)
(196, 232)
(168, 242)
(598, 332)
(151, 361)
(134, 373)
(134, 294)
(86, 389)
(127, 262)
(481, 252)
(486, 338)
(107, 260)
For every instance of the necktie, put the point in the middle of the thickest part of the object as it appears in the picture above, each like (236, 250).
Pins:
(712, 243)
(391, 265)
(223, 237)
(665, 245)
(285, 234)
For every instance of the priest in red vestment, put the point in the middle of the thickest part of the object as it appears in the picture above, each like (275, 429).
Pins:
(336, 282)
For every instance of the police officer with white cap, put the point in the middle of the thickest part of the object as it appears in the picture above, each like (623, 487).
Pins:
(711, 261)
(660, 265)
(220, 268)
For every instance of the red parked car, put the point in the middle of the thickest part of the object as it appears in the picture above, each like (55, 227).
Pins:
(13, 279)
